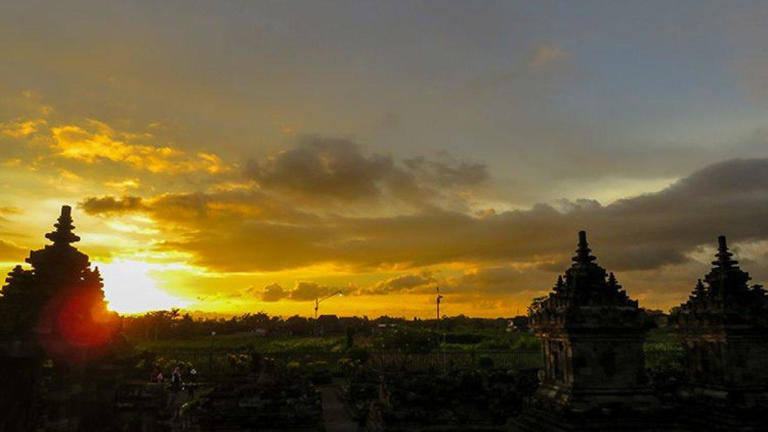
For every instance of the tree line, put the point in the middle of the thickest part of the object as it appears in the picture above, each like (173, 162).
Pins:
(173, 323)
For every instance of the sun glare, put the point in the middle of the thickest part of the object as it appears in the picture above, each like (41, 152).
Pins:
(129, 288)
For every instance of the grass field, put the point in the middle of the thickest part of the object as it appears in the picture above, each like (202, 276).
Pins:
(486, 340)
(242, 342)
(657, 339)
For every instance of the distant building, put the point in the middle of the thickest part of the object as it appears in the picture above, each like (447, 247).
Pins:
(329, 324)
(724, 330)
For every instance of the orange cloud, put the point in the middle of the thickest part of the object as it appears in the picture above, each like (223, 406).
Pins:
(133, 183)
(98, 142)
(20, 128)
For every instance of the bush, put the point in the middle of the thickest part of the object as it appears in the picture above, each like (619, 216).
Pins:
(359, 354)
(497, 344)
(240, 362)
(464, 338)
(468, 398)
(485, 362)
(410, 341)
(318, 372)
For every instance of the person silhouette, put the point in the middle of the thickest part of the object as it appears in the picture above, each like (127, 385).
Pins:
(176, 379)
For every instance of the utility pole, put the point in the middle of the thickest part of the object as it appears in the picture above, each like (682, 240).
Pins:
(439, 299)
(319, 300)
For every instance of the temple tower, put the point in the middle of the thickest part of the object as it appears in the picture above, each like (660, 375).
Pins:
(54, 311)
(724, 330)
(592, 337)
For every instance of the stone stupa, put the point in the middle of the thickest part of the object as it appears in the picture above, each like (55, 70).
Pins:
(592, 337)
(724, 330)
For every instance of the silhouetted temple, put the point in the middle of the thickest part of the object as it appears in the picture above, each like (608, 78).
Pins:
(592, 337)
(724, 330)
(54, 311)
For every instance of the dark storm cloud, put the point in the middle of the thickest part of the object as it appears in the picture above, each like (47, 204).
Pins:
(112, 205)
(256, 245)
(399, 284)
(273, 293)
(640, 233)
(494, 280)
(320, 168)
(302, 291)
(644, 232)
(195, 208)
(305, 291)
(324, 167)
(491, 276)
(501, 281)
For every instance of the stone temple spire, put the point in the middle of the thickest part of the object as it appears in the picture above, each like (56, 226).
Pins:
(723, 255)
(724, 332)
(592, 338)
(727, 282)
(68, 305)
(586, 283)
(583, 253)
(725, 296)
(60, 261)
(63, 235)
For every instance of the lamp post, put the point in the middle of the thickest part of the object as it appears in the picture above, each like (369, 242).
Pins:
(319, 300)
(439, 299)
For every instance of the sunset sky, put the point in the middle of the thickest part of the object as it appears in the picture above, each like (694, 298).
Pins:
(241, 156)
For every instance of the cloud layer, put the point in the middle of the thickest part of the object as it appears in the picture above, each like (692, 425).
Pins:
(640, 233)
(320, 169)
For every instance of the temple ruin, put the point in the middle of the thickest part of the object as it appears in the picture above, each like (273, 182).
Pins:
(55, 314)
(592, 337)
(724, 330)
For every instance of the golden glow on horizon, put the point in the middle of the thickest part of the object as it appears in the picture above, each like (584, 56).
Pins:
(130, 288)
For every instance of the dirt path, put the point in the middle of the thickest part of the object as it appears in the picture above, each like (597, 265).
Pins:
(335, 416)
